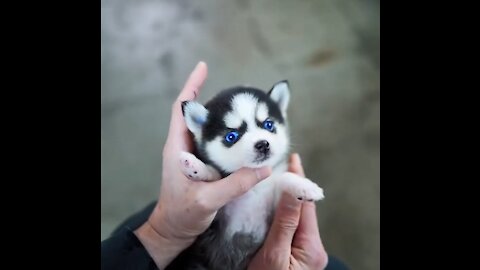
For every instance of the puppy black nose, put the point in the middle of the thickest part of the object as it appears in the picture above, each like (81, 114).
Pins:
(262, 146)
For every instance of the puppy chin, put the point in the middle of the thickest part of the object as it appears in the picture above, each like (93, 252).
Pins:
(258, 164)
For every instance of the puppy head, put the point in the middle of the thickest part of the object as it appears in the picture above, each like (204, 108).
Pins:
(241, 127)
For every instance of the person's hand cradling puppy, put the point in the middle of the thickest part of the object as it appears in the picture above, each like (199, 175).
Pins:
(293, 241)
(186, 208)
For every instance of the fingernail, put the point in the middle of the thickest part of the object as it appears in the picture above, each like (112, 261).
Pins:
(263, 173)
(199, 64)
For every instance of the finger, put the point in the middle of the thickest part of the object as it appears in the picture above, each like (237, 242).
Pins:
(285, 223)
(307, 239)
(295, 165)
(308, 225)
(225, 190)
(194, 83)
(178, 135)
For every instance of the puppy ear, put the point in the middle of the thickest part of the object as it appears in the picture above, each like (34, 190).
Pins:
(280, 93)
(195, 116)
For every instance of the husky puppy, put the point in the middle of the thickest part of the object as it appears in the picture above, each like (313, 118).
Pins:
(240, 127)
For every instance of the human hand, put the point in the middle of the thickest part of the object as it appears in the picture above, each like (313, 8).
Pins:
(186, 208)
(293, 241)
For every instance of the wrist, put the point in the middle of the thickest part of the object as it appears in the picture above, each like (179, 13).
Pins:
(162, 246)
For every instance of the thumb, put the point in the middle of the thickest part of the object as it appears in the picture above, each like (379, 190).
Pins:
(236, 184)
(285, 223)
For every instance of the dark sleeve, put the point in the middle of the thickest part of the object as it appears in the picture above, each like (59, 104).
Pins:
(335, 264)
(124, 251)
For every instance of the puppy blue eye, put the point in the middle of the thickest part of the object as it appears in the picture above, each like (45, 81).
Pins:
(268, 125)
(231, 137)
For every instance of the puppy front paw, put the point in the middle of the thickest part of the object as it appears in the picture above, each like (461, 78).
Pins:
(309, 191)
(302, 188)
(192, 167)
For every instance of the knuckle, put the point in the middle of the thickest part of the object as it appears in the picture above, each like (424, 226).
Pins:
(242, 185)
(175, 104)
(288, 224)
(203, 204)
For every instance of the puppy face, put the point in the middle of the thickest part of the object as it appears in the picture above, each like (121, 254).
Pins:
(241, 127)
